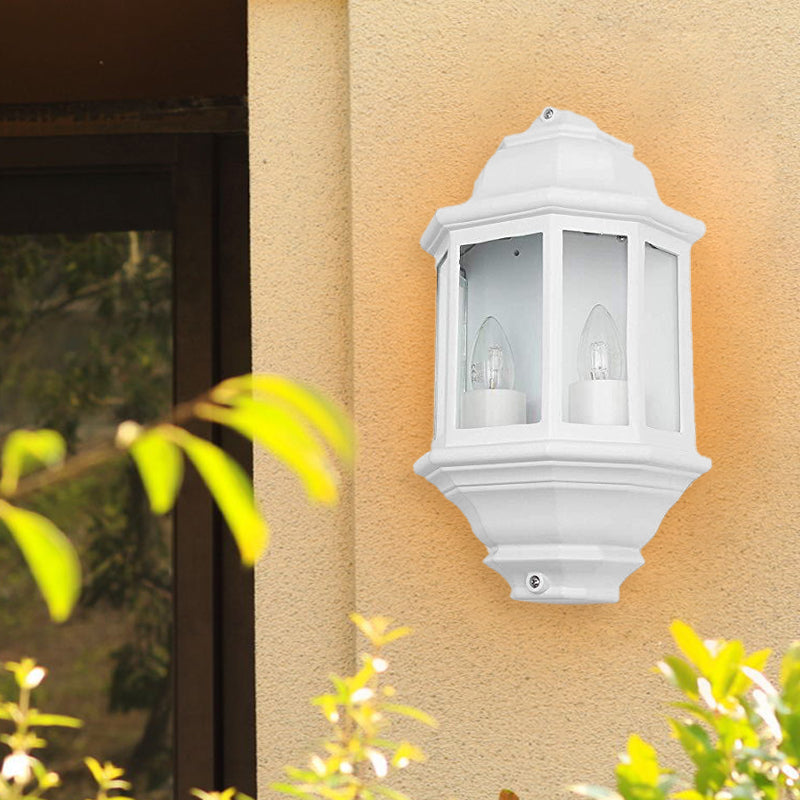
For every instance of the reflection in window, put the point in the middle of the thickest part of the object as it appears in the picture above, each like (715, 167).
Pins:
(85, 343)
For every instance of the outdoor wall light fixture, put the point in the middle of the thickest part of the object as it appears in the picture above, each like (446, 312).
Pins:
(564, 413)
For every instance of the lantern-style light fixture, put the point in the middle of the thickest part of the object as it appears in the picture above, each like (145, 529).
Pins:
(564, 413)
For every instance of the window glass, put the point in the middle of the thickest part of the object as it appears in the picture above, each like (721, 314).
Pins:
(85, 343)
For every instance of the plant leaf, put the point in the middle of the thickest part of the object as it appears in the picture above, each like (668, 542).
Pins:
(24, 451)
(231, 490)
(287, 788)
(35, 718)
(679, 674)
(410, 711)
(50, 555)
(94, 767)
(281, 432)
(692, 646)
(693, 739)
(725, 668)
(326, 418)
(757, 661)
(160, 465)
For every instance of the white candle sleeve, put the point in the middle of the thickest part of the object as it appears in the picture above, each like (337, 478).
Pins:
(483, 408)
(599, 402)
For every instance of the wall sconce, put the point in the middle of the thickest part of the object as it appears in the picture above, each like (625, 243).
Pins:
(564, 410)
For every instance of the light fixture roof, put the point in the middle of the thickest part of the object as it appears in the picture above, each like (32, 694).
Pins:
(563, 163)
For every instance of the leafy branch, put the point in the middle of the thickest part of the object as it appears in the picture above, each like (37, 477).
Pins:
(358, 755)
(740, 732)
(294, 423)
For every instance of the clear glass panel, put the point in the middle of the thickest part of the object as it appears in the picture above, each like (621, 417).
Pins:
(500, 336)
(595, 295)
(439, 315)
(85, 343)
(660, 340)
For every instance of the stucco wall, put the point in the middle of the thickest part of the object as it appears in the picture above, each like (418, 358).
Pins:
(300, 262)
(528, 696)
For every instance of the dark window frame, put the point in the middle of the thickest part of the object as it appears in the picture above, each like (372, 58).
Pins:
(213, 655)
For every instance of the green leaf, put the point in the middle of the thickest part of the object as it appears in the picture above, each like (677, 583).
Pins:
(790, 677)
(160, 465)
(394, 635)
(410, 711)
(50, 555)
(698, 711)
(790, 725)
(327, 419)
(689, 794)
(679, 674)
(386, 791)
(46, 720)
(725, 668)
(94, 767)
(710, 777)
(281, 432)
(231, 490)
(24, 451)
(227, 794)
(693, 739)
(757, 661)
(692, 646)
(638, 773)
(287, 788)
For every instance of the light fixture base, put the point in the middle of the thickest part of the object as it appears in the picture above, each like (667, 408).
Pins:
(560, 530)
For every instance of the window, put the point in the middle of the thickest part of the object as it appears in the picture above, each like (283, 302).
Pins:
(125, 287)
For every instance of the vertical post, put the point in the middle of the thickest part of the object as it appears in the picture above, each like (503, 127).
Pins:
(552, 325)
(636, 388)
(194, 657)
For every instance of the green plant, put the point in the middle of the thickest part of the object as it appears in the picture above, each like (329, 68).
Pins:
(22, 773)
(358, 757)
(740, 732)
(291, 421)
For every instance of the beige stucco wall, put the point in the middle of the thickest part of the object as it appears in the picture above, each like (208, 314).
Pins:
(528, 696)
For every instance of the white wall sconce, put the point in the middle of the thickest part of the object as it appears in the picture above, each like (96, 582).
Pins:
(564, 410)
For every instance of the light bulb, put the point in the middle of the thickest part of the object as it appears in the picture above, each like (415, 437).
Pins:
(600, 353)
(491, 364)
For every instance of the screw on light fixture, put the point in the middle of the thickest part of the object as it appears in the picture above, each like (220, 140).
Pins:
(548, 113)
(537, 583)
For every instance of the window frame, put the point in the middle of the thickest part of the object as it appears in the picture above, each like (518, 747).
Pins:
(214, 624)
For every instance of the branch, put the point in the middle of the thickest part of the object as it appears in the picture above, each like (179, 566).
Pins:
(102, 453)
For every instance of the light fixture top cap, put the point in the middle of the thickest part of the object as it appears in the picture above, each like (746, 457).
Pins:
(563, 163)
(564, 149)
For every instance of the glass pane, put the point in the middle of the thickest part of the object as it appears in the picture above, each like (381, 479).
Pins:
(439, 315)
(595, 296)
(85, 343)
(660, 340)
(500, 332)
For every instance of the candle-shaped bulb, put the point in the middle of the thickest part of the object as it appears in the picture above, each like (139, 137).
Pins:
(491, 364)
(600, 353)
